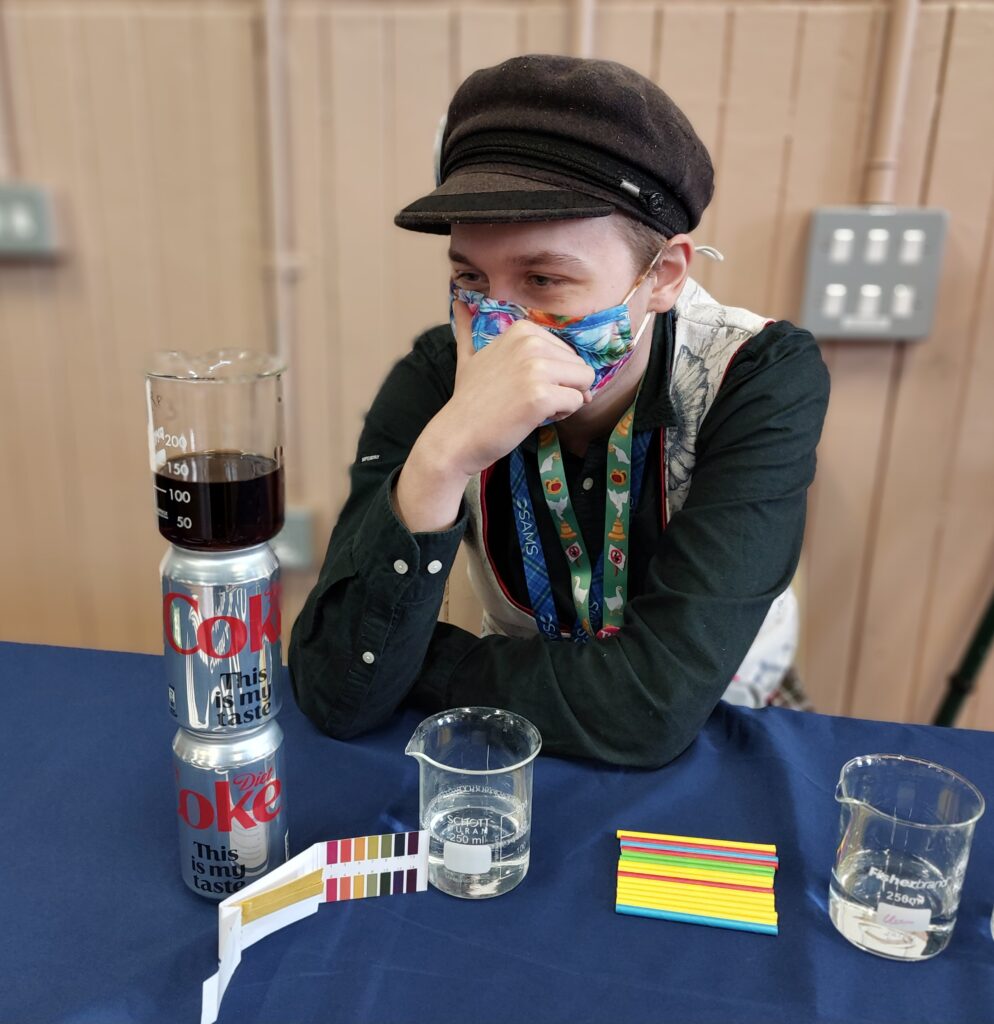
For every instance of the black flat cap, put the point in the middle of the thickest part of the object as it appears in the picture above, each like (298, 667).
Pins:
(545, 137)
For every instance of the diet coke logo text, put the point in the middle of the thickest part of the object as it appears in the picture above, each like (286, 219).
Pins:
(255, 633)
(240, 806)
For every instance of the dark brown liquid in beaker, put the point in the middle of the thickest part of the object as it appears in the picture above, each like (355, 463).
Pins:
(215, 501)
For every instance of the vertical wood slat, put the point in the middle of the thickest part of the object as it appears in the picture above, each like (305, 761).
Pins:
(314, 477)
(114, 212)
(961, 575)
(756, 129)
(546, 28)
(857, 428)
(357, 103)
(831, 92)
(173, 83)
(833, 88)
(691, 68)
(52, 366)
(626, 33)
(933, 379)
(486, 36)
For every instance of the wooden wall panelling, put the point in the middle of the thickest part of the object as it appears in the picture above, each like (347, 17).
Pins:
(546, 28)
(846, 493)
(932, 385)
(485, 36)
(835, 83)
(114, 253)
(173, 83)
(627, 33)
(315, 456)
(761, 75)
(68, 568)
(961, 579)
(237, 179)
(692, 67)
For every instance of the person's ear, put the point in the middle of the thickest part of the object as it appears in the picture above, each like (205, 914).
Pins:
(671, 273)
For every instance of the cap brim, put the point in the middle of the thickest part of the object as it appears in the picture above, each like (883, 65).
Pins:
(488, 197)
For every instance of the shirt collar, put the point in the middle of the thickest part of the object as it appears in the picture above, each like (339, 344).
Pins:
(654, 409)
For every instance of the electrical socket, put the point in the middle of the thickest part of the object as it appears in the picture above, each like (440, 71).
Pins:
(873, 272)
(27, 222)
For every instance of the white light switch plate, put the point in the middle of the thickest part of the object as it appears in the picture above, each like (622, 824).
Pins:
(873, 272)
(27, 222)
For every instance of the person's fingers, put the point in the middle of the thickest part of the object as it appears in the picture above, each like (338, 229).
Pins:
(464, 330)
(525, 328)
(569, 373)
(565, 401)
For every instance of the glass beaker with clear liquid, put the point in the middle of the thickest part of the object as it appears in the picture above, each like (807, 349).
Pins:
(904, 840)
(215, 424)
(476, 798)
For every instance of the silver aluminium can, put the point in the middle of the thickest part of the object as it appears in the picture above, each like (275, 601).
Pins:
(221, 631)
(231, 808)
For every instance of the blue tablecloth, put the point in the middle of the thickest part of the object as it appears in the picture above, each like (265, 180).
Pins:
(98, 927)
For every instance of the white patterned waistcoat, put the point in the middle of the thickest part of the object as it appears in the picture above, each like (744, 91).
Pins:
(707, 336)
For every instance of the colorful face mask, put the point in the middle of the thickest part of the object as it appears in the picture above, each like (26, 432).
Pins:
(603, 339)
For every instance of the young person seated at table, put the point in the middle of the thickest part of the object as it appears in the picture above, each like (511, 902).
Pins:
(626, 458)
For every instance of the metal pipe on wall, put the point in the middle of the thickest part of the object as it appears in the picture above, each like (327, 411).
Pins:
(881, 167)
(7, 149)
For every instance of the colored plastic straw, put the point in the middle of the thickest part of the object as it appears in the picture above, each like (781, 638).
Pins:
(717, 882)
(714, 922)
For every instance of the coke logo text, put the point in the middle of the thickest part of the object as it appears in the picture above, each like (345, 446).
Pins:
(198, 812)
(257, 631)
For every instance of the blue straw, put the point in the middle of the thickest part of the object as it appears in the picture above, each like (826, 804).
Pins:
(714, 922)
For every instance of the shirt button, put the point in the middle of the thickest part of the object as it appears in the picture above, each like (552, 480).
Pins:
(434, 566)
(588, 483)
(368, 657)
(400, 566)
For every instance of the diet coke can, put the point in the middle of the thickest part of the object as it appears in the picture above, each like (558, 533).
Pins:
(231, 808)
(221, 623)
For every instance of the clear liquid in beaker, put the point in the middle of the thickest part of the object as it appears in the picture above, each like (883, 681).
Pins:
(478, 844)
(869, 889)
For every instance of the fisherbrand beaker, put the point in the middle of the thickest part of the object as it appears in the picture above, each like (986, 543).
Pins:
(476, 798)
(904, 839)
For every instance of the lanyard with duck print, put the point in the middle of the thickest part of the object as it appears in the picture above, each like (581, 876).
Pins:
(626, 453)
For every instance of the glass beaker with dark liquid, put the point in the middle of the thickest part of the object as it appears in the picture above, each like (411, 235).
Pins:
(216, 447)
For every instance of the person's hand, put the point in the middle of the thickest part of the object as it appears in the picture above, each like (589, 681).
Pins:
(523, 378)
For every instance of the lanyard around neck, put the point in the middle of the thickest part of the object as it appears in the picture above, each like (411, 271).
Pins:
(625, 461)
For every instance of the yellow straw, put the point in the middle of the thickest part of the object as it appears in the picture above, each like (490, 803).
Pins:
(695, 892)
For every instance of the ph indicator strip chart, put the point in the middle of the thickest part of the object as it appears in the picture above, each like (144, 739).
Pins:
(329, 872)
(717, 882)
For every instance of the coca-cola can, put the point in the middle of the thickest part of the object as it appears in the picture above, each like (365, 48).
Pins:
(221, 625)
(231, 808)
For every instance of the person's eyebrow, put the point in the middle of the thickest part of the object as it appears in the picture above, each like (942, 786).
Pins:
(545, 258)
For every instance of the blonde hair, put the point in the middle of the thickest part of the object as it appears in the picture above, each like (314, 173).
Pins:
(644, 241)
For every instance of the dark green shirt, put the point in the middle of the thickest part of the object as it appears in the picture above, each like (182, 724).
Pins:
(368, 640)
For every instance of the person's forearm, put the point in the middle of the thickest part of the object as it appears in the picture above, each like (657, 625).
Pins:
(429, 489)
